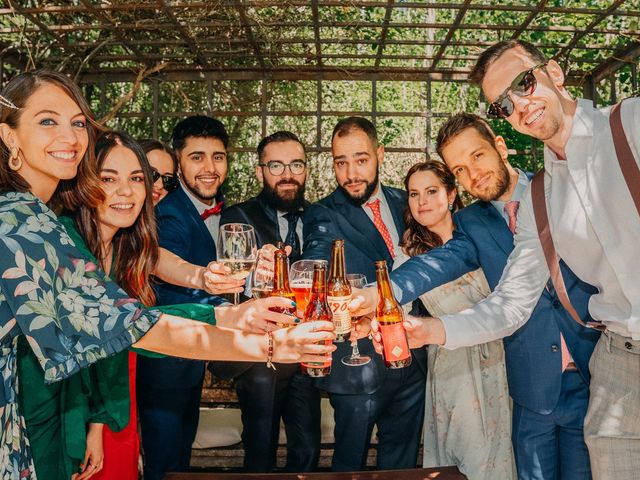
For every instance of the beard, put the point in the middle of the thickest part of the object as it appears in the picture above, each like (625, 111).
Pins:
(501, 185)
(361, 199)
(198, 192)
(290, 203)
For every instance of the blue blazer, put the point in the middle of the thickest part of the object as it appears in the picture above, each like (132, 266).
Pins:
(532, 354)
(181, 231)
(336, 217)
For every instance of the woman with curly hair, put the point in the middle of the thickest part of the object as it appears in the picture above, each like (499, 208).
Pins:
(467, 405)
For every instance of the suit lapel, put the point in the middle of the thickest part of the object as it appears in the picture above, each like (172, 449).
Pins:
(362, 231)
(497, 227)
(186, 205)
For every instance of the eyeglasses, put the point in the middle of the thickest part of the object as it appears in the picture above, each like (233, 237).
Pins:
(522, 86)
(276, 167)
(169, 182)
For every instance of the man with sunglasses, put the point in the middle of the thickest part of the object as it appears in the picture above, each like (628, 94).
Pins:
(266, 395)
(595, 227)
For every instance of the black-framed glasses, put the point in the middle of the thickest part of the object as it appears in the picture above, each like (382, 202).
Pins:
(522, 86)
(276, 167)
(169, 181)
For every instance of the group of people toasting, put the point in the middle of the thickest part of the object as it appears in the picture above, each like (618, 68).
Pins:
(527, 297)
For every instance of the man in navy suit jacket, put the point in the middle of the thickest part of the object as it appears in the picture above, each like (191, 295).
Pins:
(168, 388)
(549, 403)
(364, 396)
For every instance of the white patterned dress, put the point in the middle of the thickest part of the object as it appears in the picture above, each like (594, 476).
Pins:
(467, 419)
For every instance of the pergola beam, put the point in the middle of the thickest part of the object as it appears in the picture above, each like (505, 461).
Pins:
(185, 34)
(452, 30)
(589, 29)
(527, 21)
(384, 32)
(247, 25)
(316, 31)
(618, 60)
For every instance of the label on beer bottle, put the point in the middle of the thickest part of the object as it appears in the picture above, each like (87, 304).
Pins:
(394, 341)
(341, 314)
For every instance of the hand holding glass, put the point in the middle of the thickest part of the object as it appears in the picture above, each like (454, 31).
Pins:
(237, 250)
(356, 280)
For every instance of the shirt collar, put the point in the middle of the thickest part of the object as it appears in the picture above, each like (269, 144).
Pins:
(379, 195)
(199, 204)
(521, 186)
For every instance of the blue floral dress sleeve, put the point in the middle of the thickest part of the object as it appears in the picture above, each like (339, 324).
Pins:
(69, 318)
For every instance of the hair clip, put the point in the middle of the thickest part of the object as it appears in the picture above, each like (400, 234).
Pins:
(5, 102)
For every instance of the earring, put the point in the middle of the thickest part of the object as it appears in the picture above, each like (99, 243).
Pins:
(451, 207)
(15, 162)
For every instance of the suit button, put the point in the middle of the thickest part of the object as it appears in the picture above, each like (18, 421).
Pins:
(628, 345)
(554, 348)
(556, 304)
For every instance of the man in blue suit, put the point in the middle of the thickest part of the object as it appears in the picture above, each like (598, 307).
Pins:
(368, 216)
(188, 218)
(547, 359)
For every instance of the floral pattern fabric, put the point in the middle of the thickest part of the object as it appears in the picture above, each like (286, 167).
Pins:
(70, 313)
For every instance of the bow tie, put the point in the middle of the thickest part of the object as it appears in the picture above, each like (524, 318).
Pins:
(215, 210)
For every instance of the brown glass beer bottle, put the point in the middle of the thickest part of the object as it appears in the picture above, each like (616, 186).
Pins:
(339, 292)
(389, 316)
(281, 286)
(318, 309)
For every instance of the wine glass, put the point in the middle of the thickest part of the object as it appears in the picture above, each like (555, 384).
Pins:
(301, 281)
(237, 250)
(261, 283)
(356, 280)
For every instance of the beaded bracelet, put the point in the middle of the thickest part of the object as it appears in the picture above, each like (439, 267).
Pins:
(270, 351)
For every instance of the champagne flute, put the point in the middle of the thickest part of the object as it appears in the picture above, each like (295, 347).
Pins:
(261, 283)
(301, 280)
(356, 280)
(237, 250)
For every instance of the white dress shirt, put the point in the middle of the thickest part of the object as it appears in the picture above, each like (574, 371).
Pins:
(595, 227)
(387, 217)
(212, 222)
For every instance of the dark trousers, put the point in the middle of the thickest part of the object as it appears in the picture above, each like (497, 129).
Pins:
(397, 408)
(266, 396)
(550, 447)
(168, 426)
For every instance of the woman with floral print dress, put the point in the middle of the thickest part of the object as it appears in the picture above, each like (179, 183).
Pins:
(70, 319)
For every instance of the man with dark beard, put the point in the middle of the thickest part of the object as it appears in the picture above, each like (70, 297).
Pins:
(266, 395)
(368, 217)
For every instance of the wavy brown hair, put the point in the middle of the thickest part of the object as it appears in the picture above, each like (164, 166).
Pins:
(84, 188)
(135, 249)
(417, 238)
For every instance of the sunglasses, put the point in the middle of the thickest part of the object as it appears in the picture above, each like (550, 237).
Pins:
(522, 86)
(169, 182)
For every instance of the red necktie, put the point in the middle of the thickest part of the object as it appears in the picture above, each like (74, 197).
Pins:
(382, 228)
(215, 210)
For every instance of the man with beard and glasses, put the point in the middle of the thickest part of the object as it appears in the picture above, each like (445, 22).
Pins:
(266, 395)
(547, 359)
(368, 217)
(169, 389)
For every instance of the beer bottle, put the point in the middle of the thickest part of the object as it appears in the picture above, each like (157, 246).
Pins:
(281, 286)
(339, 292)
(318, 309)
(389, 315)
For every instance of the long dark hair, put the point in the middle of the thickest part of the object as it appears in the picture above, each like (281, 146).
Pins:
(84, 188)
(135, 249)
(417, 238)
